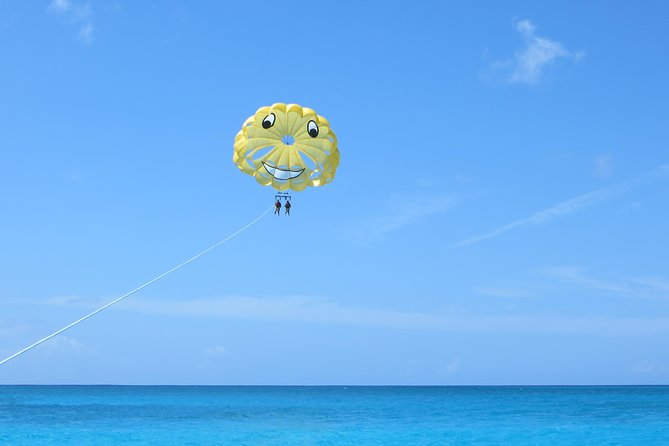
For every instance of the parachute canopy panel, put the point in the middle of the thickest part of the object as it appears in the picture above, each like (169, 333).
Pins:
(287, 146)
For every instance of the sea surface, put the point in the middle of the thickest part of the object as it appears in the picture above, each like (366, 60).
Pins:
(202, 415)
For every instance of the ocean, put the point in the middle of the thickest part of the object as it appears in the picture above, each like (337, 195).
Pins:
(337, 415)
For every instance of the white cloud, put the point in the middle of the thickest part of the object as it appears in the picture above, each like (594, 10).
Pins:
(313, 310)
(530, 62)
(10, 329)
(75, 14)
(453, 366)
(86, 33)
(215, 351)
(66, 300)
(71, 11)
(657, 284)
(302, 309)
(318, 311)
(404, 211)
(543, 216)
(211, 356)
(647, 367)
(603, 166)
(569, 206)
(636, 287)
(63, 343)
(631, 207)
(501, 292)
(60, 6)
(75, 177)
(644, 367)
(578, 276)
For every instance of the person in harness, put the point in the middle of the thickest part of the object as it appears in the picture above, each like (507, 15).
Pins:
(288, 206)
(277, 207)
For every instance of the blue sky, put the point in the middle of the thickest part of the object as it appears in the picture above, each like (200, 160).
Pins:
(499, 215)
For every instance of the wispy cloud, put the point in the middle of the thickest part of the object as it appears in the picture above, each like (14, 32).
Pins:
(60, 6)
(636, 287)
(314, 310)
(217, 350)
(659, 285)
(64, 343)
(86, 33)
(577, 276)
(647, 367)
(570, 206)
(8, 328)
(452, 366)
(403, 211)
(530, 62)
(304, 309)
(77, 15)
(501, 292)
(211, 356)
(603, 166)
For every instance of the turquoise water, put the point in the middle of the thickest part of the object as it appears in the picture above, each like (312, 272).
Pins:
(184, 415)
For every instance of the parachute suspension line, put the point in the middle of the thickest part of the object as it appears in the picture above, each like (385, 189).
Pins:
(155, 279)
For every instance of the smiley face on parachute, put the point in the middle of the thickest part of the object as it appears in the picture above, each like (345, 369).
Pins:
(288, 147)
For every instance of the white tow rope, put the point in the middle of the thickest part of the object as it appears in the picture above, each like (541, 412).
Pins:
(155, 279)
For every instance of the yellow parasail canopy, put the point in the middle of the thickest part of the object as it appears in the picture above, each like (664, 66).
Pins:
(288, 147)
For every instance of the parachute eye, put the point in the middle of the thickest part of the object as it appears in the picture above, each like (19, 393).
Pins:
(312, 129)
(268, 121)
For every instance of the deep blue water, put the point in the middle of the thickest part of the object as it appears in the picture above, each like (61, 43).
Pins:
(185, 415)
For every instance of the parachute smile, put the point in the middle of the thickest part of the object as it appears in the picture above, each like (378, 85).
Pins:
(282, 174)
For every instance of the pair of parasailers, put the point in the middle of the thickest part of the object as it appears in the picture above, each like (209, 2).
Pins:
(277, 207)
